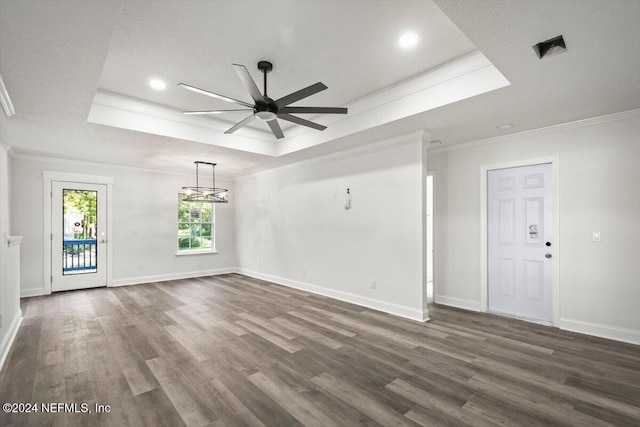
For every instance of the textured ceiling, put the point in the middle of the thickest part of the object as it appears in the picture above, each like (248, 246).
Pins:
(598, 74)
(55, 55)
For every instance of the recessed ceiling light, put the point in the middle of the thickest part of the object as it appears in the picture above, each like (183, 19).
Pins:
(408, 40)
(157, 84)
(506, 126)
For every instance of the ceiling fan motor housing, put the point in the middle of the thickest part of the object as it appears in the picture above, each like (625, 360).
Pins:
(267, 111)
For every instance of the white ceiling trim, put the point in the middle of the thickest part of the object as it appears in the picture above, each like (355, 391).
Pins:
(5, 99)
(413, 137)
(453, 69)
(541, 131)
(128, 113)
(462, 78)
(14, 152)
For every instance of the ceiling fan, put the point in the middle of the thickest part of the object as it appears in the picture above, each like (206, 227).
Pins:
(265, 108)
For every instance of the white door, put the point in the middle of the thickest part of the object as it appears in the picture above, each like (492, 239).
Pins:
(520, 246)
(78, 235)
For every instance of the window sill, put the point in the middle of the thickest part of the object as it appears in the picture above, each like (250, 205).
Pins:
(195, 253)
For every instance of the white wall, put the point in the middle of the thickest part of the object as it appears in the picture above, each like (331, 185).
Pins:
(599, 190)
(293, 229)
(10, 312)
(144, 223)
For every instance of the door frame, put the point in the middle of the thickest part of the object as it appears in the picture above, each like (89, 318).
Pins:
(484, 218)
(47, 194)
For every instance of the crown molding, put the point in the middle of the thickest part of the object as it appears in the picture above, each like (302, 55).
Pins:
(5, 100)
(49, 159)
(413, 137)
(463, 77)
(624, 115)
(417, 136)
(124, 112)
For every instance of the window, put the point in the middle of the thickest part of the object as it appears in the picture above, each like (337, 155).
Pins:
(195, 226)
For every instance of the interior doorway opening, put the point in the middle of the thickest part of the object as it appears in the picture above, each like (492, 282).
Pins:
(429, 260)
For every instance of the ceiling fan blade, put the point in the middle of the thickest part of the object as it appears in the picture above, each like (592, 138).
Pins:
(240, 124)
(299, 121)
(248, 82)
(275, 128)
(214, 95)
(214, 111)
(314, 110)
(302, 93)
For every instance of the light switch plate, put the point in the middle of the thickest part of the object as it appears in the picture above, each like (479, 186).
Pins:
(595, 236)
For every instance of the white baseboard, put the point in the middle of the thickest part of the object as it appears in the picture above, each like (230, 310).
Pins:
(31, 292)
(597, 330)
(466, 304)
(395, 309)
(603, 331)
(34, 292)
(173, 276)
(7, 341)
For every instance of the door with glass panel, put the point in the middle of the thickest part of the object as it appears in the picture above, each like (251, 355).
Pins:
(78, 236)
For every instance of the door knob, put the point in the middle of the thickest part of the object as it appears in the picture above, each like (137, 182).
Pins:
(547, 255)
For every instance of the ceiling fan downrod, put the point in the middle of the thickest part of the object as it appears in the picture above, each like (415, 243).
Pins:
(265, 67)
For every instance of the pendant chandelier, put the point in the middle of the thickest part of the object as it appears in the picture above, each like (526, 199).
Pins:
(211, 194)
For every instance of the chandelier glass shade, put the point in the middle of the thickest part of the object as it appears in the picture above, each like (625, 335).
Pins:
(204, 194)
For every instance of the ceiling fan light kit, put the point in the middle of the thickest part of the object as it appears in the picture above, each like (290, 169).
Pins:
(266, 109)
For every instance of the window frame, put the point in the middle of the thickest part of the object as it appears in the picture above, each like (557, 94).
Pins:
(191, 223)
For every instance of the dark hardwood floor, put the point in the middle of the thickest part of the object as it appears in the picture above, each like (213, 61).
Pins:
(231, 350)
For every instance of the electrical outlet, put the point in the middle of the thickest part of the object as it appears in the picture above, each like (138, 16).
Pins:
(226, 260)
(140, 266)
(373, 284)
(304, 271)
(335, 192)
(596, 236)
(260, 263)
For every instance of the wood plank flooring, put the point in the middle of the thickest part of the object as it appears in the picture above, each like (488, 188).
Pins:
(235, 351)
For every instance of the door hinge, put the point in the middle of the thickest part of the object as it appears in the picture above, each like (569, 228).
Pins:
(52, 237)
(51, 195)
(51, 279)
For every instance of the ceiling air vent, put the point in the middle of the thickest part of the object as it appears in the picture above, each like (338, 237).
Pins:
(550, 47)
